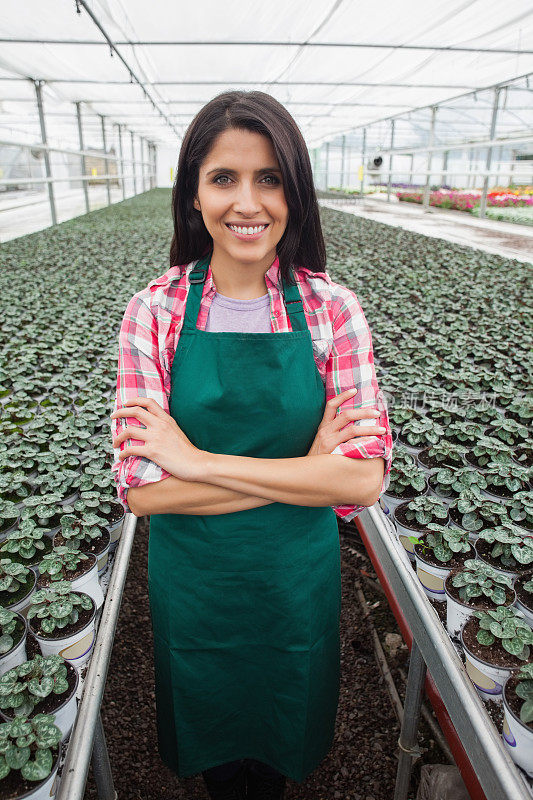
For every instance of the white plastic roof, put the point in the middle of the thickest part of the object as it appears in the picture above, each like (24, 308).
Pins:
(335, 64)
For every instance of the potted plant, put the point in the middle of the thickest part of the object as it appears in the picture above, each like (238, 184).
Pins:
(447, 484)
(487, 449)
(518, 717)
(509, 431)
(88, 535)
(29, 757)
(473, 512)
(81, 569)
(524, 455)
(465, 433)
(523, 587)
(9, 514)
(520, 508)
(474, 587)
(14, 487)
(12, 639)
(60, 481)
(43, 685)
(418, 433)
(62, 621)
(504, 479)
(46, 509)
(17, 584)
(496, 641)
(407, 481)
(441, 454)
(506, 548)
(108, 508)
(413, 517)
(440, 550)
(26, 544)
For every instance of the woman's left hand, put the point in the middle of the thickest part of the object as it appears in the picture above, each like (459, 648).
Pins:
(164, 441)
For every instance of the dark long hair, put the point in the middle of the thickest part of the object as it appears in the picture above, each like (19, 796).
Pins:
(302, 243)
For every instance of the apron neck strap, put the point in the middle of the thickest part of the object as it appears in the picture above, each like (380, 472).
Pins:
(197, 276)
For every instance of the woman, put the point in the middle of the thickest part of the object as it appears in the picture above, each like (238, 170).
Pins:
(225, 365)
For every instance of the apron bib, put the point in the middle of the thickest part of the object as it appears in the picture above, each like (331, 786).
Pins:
(245, 606)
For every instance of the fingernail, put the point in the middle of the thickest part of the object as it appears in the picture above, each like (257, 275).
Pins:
(382, 430)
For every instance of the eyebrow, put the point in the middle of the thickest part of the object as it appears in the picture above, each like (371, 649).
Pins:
(234, 171)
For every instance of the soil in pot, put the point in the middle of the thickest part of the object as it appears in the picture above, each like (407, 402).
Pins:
(483, 549)
(44, 580)
(495, 654)
(456, 561)
(84, 618)
(480, 603)
(513, 701)
(8, 599)
(433, 463)
(525, 597)
(526, 456)
(116, 513)
(14, 785)
(94, 547)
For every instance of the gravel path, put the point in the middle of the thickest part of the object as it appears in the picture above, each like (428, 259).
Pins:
(362, 762)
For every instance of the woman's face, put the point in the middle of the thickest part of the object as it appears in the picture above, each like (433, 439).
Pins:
(240, 184)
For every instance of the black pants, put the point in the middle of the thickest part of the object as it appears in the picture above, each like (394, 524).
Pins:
(225, 771)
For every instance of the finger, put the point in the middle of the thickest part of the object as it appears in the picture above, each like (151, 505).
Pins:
(365, 430)
(147, 402)
(349, 414)
(131, 432)
(131, 451)
(135, 412)
(334, 402)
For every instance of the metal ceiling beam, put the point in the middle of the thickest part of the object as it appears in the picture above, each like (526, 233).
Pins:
(132, 74)
(196, 43)
(238, 82)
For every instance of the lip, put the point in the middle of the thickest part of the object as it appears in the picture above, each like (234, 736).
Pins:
(247, 236)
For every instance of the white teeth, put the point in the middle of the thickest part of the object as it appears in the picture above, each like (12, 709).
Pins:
(249, 231)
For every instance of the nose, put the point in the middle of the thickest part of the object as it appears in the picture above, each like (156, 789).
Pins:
(247, 199)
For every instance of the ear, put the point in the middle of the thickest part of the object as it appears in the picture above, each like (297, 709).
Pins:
(196, 204)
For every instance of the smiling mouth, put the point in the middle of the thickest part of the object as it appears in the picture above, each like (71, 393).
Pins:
(247, 231)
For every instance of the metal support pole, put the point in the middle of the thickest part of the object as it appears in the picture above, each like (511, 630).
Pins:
(103, 776)
(121, 153)
(493, 120)
(343, 156)
(83, 164)
(429, 157)
(51, 198)
(411, 721)
(154, 150)
(108, 182)
(411, 169)
(363, 154)
(444, 168)
(134, 166)
(389, 179)
(141, 140)
(327, 166)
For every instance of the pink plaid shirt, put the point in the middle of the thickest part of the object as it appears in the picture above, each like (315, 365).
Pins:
(342, 347)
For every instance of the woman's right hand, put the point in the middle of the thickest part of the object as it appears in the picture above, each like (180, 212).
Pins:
(329, 433)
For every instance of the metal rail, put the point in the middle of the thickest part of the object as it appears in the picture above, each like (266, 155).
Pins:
(432, 647)
(87, 737)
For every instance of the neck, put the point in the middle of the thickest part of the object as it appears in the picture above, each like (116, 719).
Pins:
(237, 279)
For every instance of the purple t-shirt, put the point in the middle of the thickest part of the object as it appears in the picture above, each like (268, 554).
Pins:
(239, 316)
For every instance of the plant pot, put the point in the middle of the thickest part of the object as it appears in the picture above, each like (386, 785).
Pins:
(388, 502)
(457, 612)
(88, 582)
(23, 603)
(482, 546)
(45, 790)
(487, 677)
(9, 527)
(432, 576)
(115, 530)
(497, 498)
(520, 604)
(517, 736)
(411, 448)
(441, 497)
(34, 561)
(64, 713)
(17, 654)
(74, 647)
(403, 532)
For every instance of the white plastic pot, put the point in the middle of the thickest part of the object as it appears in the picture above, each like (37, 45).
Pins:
(431, 577)
(525, 611)
(17, 655)
(518, 738)
(507, 572)
(115, 532)
(403, 533)
(75, 648)
(487, 678)
(457, 613)
(103, 559)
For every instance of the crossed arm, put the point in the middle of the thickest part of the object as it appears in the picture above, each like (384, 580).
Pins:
(200, 482)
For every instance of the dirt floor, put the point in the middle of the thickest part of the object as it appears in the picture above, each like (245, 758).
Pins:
(362, 762)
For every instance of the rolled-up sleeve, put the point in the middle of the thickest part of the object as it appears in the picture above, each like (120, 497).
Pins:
(140, 374)
(351, 365)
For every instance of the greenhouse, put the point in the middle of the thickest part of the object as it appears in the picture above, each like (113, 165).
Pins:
(246, 618)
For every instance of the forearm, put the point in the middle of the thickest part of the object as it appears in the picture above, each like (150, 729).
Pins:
(316, 480)
(176, 496)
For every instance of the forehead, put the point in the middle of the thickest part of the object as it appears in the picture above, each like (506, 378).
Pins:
(240, 147)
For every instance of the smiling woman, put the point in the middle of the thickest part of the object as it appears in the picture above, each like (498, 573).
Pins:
(245, 421)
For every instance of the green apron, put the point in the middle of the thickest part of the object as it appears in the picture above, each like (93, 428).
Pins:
(245, 606)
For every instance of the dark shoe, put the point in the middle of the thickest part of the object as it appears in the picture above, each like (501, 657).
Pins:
(233, 788)
(264, 785)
